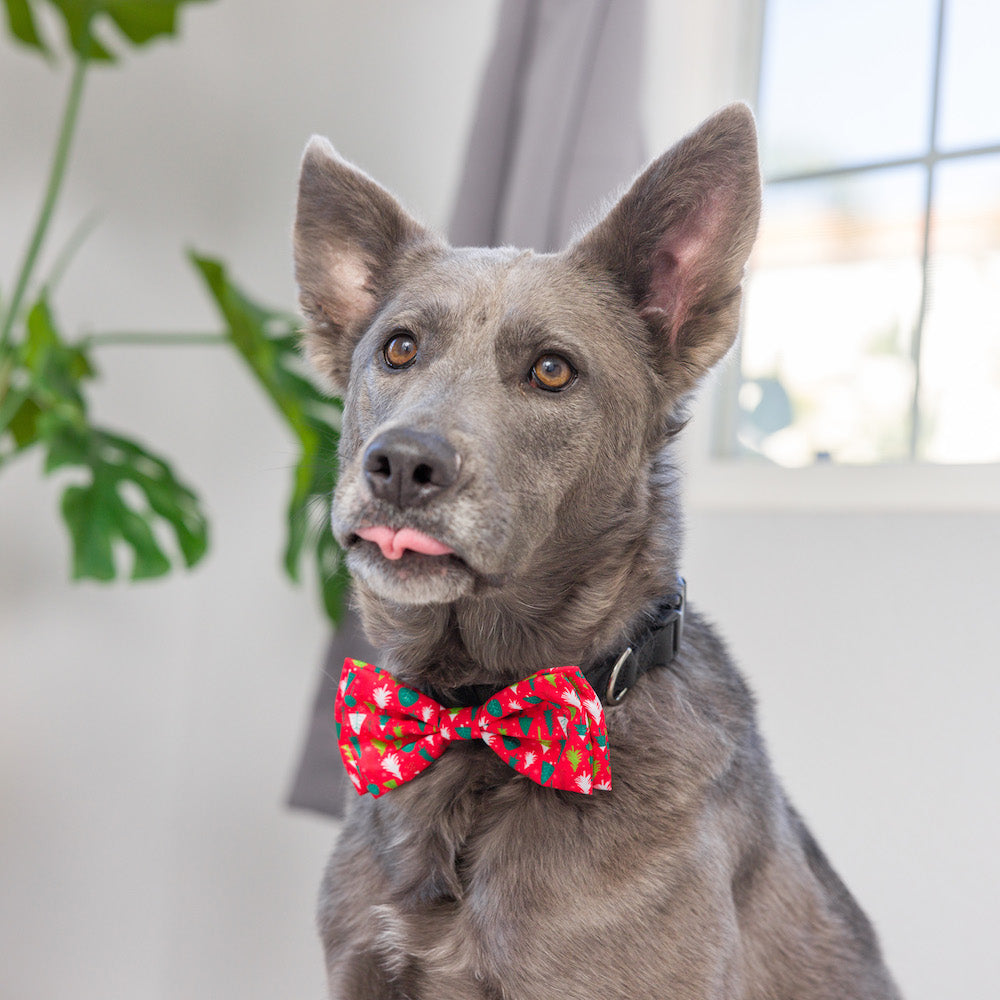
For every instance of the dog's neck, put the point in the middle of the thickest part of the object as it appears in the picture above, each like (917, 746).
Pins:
(544, 619)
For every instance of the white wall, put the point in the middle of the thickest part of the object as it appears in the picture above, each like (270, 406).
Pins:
(871, 642)
(147, 733)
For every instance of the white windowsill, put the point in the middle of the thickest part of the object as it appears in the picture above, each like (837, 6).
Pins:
(738, 485)
(713, 483)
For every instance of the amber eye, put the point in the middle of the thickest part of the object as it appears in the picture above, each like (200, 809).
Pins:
(552, 372)
(400, 349)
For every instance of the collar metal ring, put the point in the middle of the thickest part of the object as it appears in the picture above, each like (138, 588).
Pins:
(610, 698)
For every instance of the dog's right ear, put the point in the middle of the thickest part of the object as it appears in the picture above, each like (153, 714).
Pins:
(349, 232)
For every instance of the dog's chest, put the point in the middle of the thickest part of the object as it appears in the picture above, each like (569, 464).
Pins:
(490, 917)
(518, 893)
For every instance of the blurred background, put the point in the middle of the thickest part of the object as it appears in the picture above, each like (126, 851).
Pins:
(149, 733)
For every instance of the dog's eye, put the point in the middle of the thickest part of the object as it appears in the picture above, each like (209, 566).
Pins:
(400, 349)
(552, 372)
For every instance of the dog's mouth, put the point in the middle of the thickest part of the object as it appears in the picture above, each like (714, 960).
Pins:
(409, 565)
(396, 543)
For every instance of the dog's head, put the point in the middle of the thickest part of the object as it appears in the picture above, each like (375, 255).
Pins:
(505, 410)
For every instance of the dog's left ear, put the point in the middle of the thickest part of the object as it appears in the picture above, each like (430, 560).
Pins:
(678, 241)
(349, 232)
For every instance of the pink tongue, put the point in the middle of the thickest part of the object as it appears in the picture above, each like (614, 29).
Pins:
(394, 543)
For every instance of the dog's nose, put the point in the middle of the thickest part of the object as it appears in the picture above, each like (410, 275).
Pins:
(408, 468)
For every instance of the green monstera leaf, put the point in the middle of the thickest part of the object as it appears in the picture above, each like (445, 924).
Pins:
(122, 492)
(102, 513)
(139, 21)
(268, 341)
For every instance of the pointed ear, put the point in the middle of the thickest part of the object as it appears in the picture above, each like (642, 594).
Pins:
(348, 234)
(679, 239)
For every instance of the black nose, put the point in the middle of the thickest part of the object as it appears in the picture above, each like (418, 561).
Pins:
(408, 468)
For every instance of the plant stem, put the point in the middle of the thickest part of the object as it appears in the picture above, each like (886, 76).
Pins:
(69, 119)
(130, 339)
(75, 241)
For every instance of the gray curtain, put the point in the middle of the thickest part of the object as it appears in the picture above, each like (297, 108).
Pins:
(557, 131)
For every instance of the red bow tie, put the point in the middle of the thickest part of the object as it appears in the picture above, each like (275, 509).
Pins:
(550, 727)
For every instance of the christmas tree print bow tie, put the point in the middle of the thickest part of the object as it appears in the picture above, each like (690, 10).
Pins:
(549, 727)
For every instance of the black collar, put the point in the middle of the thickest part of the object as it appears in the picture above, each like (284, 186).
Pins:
(656, 646)
(612, 678)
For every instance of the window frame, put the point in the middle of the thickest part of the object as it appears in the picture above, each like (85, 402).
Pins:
(719, 478)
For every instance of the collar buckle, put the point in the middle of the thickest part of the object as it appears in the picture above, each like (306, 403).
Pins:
(657, 646)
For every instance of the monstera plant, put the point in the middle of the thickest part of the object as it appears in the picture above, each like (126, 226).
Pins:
(122, 492)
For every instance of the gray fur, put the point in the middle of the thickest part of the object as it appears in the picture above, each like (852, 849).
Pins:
(693, 877)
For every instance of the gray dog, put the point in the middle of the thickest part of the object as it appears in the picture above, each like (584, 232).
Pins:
(508, 504)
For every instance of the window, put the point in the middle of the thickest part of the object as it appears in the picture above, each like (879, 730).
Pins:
(872, 313)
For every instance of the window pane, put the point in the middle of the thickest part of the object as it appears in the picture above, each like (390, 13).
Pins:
(845, 82)
(831, 307)
(971, 75)
(960, 351)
